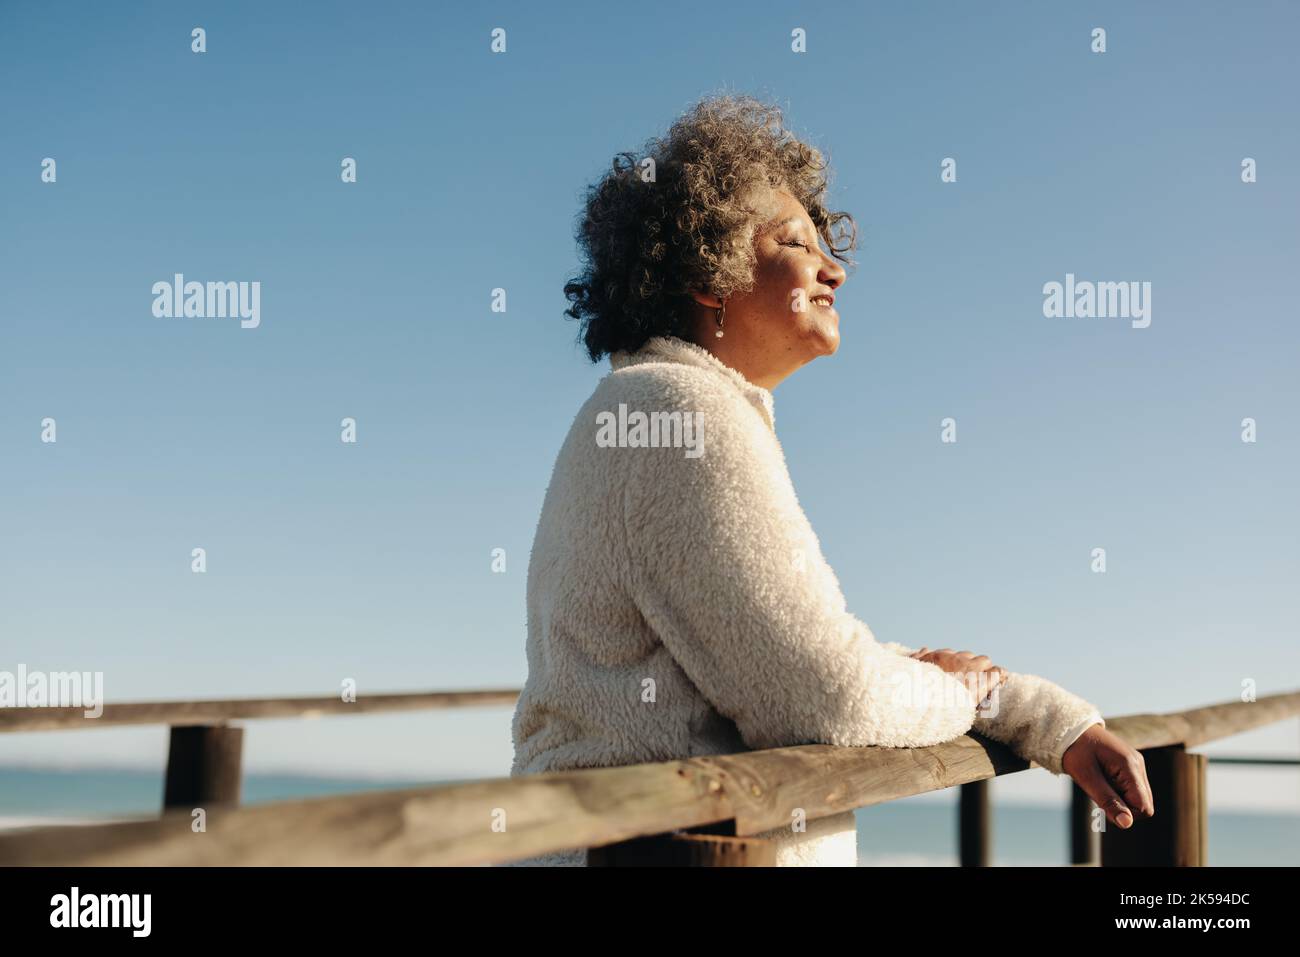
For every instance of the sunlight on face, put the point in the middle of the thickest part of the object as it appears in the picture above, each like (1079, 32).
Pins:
(794, 283)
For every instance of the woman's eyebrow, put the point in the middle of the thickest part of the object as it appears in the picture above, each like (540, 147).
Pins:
(788, 219)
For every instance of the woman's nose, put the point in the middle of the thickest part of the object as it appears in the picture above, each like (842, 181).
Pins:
(832, 273)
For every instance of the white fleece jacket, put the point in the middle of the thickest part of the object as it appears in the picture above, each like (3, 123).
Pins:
(679, 605)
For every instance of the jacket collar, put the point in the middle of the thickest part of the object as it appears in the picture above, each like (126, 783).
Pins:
(674, 349)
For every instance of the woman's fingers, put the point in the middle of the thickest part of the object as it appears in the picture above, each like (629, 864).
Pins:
(1120, 785)
(975, 681)
(977, 672)
(990, 679)
(1128, 773)
(980, 683)
(982, 667)
(1104, 796)
(1112, 773)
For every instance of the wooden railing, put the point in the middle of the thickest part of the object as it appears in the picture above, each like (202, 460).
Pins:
(702, 810)
(204, 754)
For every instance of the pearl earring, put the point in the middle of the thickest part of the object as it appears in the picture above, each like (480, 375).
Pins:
(721, 313)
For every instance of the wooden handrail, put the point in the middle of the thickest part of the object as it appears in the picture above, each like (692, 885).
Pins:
(460, 824)
(183, 713)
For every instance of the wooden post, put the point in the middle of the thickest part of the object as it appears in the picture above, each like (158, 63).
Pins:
(974, 825)
(1176, 836)
(203, 766)
(1083, 839)
(710, 845)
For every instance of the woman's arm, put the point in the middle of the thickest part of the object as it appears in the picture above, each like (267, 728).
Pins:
(725, 568)
(1108, 769)
(1037, 719)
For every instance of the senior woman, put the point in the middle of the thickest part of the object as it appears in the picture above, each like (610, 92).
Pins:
(678, 600)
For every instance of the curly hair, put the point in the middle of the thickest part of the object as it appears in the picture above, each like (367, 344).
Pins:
(681, 216)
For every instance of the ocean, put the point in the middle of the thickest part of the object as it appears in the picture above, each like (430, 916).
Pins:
(909, 833)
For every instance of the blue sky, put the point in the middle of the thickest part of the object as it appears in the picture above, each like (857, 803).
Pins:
(372, 561)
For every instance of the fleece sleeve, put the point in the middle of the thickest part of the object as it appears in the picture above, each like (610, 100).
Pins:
(1036, 719)
(725, 568)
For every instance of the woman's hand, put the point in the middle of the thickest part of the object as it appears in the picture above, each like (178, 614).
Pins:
(978, 673)
(1112, 773)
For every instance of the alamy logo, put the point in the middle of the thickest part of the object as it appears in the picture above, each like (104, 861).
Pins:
(1103, 300)
(102, 910)
(657, 430)
(214, 300)
(56, 689)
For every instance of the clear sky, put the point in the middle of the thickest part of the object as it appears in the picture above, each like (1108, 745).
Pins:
(372, 560)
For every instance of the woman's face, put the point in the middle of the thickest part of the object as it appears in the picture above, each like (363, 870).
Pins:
(787, 319)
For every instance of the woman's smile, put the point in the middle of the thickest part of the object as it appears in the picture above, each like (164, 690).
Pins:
(826, 303)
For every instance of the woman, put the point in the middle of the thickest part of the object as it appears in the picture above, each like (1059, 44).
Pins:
(678, 600)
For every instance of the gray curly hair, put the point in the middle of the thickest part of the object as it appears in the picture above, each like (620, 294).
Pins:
(646, 243)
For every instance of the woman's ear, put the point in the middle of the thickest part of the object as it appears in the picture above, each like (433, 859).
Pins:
(706, 299)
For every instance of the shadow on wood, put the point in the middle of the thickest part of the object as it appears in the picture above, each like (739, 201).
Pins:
(711, 845)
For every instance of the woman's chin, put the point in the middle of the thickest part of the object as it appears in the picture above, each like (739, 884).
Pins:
(827, 337)
(819, 336)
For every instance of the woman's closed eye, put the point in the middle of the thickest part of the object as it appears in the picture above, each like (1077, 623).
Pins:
(795, 242)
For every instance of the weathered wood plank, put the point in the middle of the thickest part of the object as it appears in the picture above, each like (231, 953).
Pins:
(177, 713)
(454, 824)
(1202, 725)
